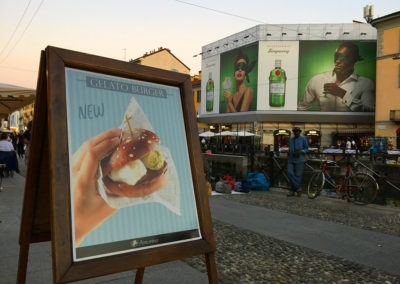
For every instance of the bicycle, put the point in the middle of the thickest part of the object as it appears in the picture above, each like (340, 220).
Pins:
(359, 188)
(277, 174)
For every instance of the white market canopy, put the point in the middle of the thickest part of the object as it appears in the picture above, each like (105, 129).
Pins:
(225, 133)
(234, 133)
(13, 98)
(207, 134)
(243, 133)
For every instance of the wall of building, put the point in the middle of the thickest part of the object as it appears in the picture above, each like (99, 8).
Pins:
(279, 65)
(196, 88)
(164, 60)
(388, 79)
(303, 52)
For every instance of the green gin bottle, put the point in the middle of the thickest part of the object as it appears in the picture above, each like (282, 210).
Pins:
(277, 85)
(210, 93)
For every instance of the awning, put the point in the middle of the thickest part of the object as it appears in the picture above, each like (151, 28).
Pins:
(355, 131)
(243, 133)
(225, 133)
(13, 98)
(207, 134)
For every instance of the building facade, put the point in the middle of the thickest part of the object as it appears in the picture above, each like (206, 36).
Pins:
(196, 89)
(387, 116)
(270, 78)
(162, 58)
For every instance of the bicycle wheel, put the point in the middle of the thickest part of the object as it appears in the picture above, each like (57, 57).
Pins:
(363, 189)
(315, 184)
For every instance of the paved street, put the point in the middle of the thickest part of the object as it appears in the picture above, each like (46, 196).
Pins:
(262, 237)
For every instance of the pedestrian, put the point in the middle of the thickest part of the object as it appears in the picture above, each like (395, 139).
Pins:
(298, 148)
(348, 143)
(353, 144)
(27, 140)
(14, 139)
(338, 143)
(20, 144)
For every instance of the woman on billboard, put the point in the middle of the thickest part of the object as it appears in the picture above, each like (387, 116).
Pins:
(242, 98)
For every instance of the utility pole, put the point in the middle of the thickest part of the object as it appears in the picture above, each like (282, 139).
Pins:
(124, 49)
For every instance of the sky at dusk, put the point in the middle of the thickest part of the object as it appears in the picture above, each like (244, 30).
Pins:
(123, 30)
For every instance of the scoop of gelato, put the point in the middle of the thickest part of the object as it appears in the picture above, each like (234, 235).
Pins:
(131, 173)
(154, 160)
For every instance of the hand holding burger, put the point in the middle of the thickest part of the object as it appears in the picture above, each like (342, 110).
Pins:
(85, 172)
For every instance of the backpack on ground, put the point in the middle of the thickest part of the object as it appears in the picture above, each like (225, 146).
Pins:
(241, 186)
(223, 186)
(257, 181)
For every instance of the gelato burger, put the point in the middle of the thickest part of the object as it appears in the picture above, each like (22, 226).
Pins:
(135, 168)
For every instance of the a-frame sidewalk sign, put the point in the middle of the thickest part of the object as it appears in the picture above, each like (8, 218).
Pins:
(91, 115)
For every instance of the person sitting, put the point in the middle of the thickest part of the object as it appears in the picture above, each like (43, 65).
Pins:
(5, 144)
(8, 155)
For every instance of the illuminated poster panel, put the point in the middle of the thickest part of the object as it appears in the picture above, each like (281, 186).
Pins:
(277, 75)
(210, 85)
(141, 192)
(238, 80)
(337, 76)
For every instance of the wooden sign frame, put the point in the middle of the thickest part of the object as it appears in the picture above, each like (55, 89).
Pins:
(47, 200)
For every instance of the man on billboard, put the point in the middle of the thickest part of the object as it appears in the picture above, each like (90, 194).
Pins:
(341, 89)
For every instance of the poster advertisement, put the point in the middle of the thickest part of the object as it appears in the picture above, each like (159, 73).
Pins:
(337, 76)
(238, 79)
(130, 175)
(210, 85)
(277, 75)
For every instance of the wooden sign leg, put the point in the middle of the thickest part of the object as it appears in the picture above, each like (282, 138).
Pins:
(211, 268)
(22, 262)
(35, 217)
(139, 276)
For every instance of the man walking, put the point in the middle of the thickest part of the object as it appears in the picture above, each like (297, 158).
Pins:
(298, 148)
(20, 144)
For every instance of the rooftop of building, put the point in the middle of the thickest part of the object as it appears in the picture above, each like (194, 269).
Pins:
(291, 32)
(153, 52)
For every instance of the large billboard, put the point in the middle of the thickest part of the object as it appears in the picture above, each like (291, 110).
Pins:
(278, 73)
(210, 85)
(309, 75)
(337, 76)
(238, 79)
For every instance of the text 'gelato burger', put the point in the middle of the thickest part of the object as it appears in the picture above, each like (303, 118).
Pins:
(135, 168)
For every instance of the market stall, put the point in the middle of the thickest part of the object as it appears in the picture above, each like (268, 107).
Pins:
(13, 98)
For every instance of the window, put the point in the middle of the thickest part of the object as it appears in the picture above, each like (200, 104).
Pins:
(198, 96)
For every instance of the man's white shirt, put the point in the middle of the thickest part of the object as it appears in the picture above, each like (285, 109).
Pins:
(360, 94)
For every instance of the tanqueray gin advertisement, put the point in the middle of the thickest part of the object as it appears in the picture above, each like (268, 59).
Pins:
(130, 178)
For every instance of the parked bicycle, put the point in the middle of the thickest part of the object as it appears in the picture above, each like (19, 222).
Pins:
(380, 179)
(276, 171)
(360, 188)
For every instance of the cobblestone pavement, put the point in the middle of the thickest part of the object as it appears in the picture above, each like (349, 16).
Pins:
(247, 257)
